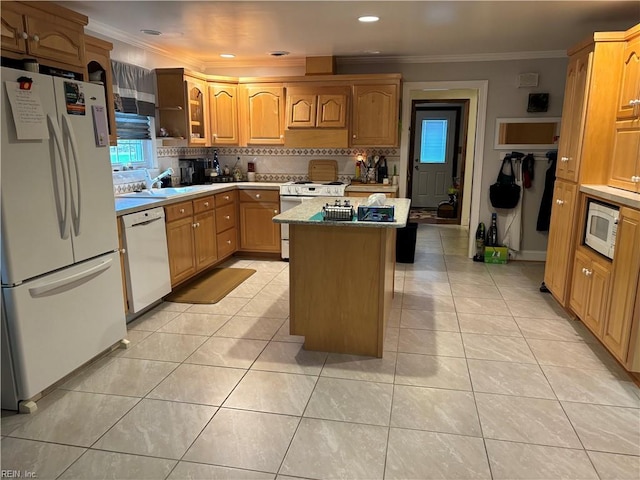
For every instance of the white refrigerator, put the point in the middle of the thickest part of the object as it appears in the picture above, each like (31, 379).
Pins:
(61, 280)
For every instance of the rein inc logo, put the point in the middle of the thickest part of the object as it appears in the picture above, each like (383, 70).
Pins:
(17, 474)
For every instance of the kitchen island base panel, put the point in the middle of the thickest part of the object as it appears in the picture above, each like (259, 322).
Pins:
(341, 287)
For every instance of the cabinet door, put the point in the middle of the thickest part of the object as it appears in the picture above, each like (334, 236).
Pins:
(630, 83)
(12, 30)
(624, 284)
(625, 164)
(573, 115)
(265, 115)
(560, 239)
(98, 59)
(197, 112)
(375, 115)
(301, 110)
(258, 233)
(223, 108)
(206, 247)
(332, 111)
(181, 249)
(55, 38)
(580, 285)
(595, 315)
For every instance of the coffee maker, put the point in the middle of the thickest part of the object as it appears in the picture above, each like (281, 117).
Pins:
(192, 171)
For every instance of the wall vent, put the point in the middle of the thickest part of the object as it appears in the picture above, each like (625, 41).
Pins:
(527, 80)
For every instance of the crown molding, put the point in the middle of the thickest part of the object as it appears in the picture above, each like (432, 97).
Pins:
(473, 57)
(116, 34)
(266, 62)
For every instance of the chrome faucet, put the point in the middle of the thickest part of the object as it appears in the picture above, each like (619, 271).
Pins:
(150, 182)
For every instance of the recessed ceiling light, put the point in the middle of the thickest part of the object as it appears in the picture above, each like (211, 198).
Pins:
(279, 53)
(227, 55)
(151, 32)
(368, 18)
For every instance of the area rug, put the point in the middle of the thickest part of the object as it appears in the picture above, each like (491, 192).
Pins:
(211, 287)
(428, 215)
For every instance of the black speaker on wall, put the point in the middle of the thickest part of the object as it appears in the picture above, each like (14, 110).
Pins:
(538, 102)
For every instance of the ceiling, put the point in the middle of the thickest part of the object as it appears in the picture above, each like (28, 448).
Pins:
(197, 32)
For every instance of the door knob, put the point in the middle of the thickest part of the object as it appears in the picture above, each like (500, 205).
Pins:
(416, 167)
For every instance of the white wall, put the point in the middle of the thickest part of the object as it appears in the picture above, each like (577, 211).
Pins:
(504, 99)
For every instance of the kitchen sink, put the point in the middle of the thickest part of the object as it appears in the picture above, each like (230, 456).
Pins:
(165, 192)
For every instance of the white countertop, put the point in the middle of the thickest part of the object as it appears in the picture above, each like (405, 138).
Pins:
(306, 213)
(616, 195)
(125, 205)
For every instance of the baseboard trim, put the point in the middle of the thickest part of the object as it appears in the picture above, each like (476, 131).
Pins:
(528, 255)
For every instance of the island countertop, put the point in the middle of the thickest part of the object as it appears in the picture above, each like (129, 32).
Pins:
(306, 213)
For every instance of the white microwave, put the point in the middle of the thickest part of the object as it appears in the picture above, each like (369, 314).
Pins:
(601, 227)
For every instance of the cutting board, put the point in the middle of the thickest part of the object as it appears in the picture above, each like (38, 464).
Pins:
(323, 170)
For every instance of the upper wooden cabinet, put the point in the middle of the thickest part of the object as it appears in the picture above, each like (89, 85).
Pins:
(98, 58)
(629, 97)
(317, 107)
(374, 121)
(591, 91)
(223, 112)
(48, 32)
(263, 114)
(625, 157)
(573, 110)
(182, 105)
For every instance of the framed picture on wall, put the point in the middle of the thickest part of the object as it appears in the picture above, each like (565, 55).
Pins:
(538, 102)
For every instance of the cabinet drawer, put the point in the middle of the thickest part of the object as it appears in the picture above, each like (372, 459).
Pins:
(178, 211)
(268, 196)
(225, 217)
(225, 198)
(227, 242)
(204, 204)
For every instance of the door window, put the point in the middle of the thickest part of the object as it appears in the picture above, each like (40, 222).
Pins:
(434, 141)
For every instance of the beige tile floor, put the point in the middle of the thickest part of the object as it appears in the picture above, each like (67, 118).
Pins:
(483, 376)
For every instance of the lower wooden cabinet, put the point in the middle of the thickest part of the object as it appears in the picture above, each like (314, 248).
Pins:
(590, 289)
(623, 314)
(367, 194)
(557, 266)
(191, 237)
(258, 233)
(226, 223)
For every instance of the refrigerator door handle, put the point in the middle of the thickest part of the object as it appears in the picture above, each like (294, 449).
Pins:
(77, 202)
(70, 281)
(66, 208)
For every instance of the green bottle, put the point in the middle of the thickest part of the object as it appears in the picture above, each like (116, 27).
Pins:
(480, 232)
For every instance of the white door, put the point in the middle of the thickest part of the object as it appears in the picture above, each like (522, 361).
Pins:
(433, 162)
(34, 210)
(93, 205)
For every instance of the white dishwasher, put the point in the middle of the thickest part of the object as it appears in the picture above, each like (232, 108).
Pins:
(146, 258)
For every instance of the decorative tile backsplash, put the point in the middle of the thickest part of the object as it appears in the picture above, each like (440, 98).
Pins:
(271, 151)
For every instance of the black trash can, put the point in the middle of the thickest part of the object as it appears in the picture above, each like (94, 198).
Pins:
(406, 243)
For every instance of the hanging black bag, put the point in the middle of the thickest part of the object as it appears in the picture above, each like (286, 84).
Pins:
(505, 193)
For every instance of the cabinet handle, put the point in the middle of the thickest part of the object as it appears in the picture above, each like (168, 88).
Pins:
(281, 136)
(588, 273)
(123, 251)
(226, 197)
(182, 210)
(193, 225)
(35, 38)
(227, 217)
(584, 270)
(275, 211)
(24, 35)
(354, 136)
(206, 204)
(560, 202)
(564, 159)
(229, 242)
(257, 195)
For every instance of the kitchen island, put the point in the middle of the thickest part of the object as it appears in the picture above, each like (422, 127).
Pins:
(341, 277)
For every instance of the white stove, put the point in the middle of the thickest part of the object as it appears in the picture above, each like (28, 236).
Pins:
(294, 193)
(311, 189)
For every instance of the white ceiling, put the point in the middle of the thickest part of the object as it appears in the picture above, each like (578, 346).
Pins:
(198, 31)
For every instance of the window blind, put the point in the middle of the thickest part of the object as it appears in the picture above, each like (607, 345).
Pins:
(131, 126)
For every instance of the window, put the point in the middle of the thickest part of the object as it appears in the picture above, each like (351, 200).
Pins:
(135, 144)
(433, 147)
